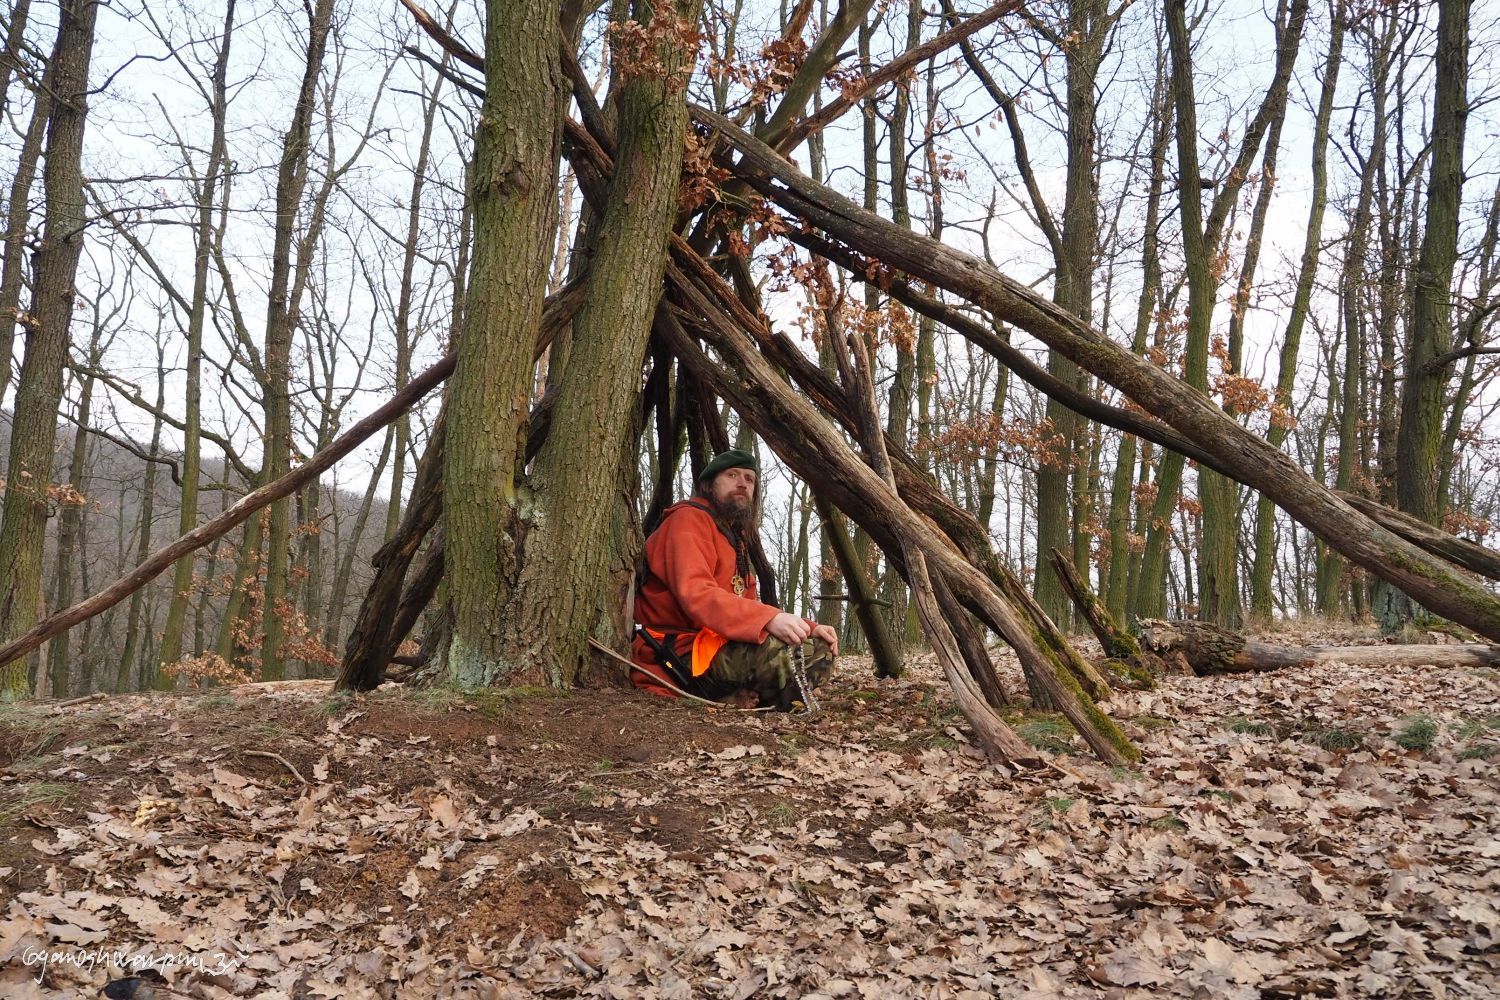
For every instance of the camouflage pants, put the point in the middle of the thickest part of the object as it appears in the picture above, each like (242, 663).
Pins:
(766, 669)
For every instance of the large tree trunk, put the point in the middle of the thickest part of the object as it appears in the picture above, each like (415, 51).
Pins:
(34, 430)
(514, 195)
(571, 490)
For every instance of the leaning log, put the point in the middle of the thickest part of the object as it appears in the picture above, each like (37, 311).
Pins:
(1122, 654)
(372, 641)
(863, 599)
(1205, 649)
(1115, 641)
(1459, 551)
(995, 734)
(163, 558)
(803, 439)
(1250, 459)
(1462, 552)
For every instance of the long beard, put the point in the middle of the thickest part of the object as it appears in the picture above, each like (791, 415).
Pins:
(736, 512)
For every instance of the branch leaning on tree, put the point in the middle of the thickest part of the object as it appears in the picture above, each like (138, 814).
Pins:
(162, 559)
(1253, 461)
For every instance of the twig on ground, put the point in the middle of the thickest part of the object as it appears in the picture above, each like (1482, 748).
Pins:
(577, 963)
(276, 756)
(96, 696)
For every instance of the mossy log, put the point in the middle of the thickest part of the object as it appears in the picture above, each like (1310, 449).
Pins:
(1123, 655)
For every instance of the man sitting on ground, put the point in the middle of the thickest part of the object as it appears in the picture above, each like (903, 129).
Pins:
(700, 626)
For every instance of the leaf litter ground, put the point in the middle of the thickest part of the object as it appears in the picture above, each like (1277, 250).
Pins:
(1327, 832)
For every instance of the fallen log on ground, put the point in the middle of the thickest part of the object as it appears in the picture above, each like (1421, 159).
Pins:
(1205, 649)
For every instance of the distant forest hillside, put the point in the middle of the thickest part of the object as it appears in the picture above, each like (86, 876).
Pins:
(330, 551)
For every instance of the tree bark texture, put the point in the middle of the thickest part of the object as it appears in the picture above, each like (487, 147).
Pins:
(514, 195)
(570, 493)
(33, 433)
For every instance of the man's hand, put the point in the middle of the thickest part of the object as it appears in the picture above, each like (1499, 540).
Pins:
(789, 629)
(794, 631)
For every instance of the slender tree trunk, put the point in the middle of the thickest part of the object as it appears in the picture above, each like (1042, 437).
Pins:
(1122, 483)
(70, 526)
(1218, 584)
(1332, 568)
(1087, 27)
(1291, 342)
(902, 393)
(182, 573)
(1219, 601)
(281, 323)
(404, 300)
(1423, 403)
(12, 270)
(130, 653)
(34, 429)
(15, 38)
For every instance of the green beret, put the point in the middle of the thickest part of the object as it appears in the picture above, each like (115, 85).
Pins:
(734, 458)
